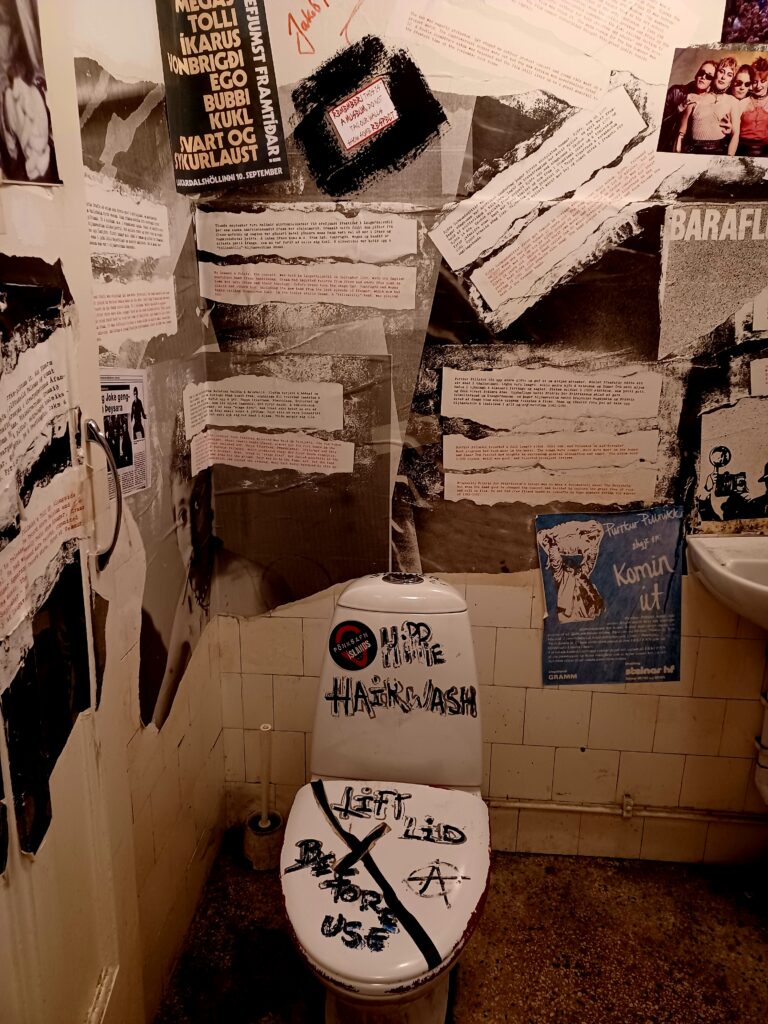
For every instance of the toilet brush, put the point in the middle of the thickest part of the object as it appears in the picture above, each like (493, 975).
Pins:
(263, 832)
(266, 765)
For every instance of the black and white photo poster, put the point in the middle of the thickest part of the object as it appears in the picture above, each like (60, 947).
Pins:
(26, 143)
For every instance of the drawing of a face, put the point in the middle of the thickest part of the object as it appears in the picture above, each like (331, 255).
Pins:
(704, 76)
(741, 85)
(723, 78)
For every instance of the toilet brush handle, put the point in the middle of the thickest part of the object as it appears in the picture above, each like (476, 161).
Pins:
(266, 758)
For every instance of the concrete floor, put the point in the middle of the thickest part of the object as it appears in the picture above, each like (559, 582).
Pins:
(562, 940)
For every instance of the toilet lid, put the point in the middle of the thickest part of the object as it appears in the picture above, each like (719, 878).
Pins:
(381, 880)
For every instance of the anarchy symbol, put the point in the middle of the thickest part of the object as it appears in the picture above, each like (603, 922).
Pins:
(445, 878)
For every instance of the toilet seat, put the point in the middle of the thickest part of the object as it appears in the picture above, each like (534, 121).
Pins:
(414, 863)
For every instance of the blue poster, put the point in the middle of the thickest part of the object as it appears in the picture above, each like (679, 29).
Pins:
(612, 590)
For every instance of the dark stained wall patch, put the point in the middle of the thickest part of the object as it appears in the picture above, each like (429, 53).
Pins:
(366, 112)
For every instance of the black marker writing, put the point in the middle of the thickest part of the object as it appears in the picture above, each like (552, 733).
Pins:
(409, 645)
(430, 832)
(352, 697)
(311, 856)
(350, 933)
(370, 803)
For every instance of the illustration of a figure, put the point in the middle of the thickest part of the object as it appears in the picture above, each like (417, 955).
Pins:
(758, 506)
(137, 415)
(726, 493)
(126, 446)
(572, 551)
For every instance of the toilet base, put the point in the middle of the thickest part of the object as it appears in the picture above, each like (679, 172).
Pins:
(426, 1006)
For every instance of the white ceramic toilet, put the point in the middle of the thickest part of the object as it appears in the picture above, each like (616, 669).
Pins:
(385, 861)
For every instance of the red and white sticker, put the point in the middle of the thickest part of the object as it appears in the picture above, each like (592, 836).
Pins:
(364, 114)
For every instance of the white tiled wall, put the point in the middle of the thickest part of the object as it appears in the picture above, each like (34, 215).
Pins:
(686, 746)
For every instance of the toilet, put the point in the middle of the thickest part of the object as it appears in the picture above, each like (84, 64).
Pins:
(386, 857)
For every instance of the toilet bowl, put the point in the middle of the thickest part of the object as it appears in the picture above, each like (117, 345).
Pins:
(386, 858)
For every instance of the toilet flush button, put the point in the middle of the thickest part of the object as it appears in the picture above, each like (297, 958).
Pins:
(403, 577)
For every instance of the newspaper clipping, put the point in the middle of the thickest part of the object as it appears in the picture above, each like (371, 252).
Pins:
(123, 402)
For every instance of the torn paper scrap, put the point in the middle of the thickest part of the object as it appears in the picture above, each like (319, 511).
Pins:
(32, 395)
(55, 515)
(250, 401)
(636, 37)
(513, 396)
(252, 450)
(539, 487)
(303, 37)
(125, 223)
(139, 311)
(311, 234)
(388, 287)
(579, 450)
(589, 140)
(566, 235)
(497, 56)
(758, 373)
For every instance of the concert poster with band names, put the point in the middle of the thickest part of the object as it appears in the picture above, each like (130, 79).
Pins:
(221, 97)
(612, 588)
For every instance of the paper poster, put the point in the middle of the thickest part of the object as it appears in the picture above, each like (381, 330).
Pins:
(221, 95)
(126, 426)
(27, 152)
(587, 141)
(733, 464)
(623, 33)
(612, 588)
(714, 104)
(133, 288)
(714, 255)
(469, 48)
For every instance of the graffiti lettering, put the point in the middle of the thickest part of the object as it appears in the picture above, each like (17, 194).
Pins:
(311, 856)
(370, 803)
(351, 935)
(351, 697)
(430, 832)
(409, 645)
(345, 891)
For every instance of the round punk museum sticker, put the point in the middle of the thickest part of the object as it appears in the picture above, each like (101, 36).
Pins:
(352, 645)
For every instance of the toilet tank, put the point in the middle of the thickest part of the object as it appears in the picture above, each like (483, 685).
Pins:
(398, 698)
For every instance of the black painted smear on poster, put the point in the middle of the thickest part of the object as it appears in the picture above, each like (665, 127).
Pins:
(54, 459)
(328, 99)
(44, 699)
(32, 294)
(221, 95)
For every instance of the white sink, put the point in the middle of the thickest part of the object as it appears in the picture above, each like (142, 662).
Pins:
(735, 570)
